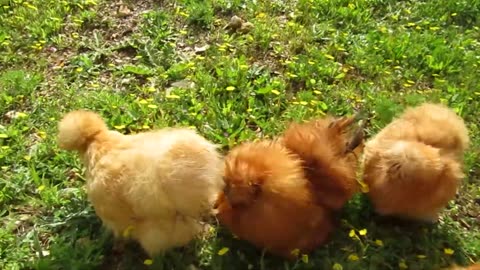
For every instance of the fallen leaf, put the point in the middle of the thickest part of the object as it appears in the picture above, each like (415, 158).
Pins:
(201, 49)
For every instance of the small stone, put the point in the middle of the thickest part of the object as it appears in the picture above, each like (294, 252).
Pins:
(123, 11)
(235, 23)
(246, 27)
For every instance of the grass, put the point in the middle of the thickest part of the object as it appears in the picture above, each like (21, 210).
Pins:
(144, 64)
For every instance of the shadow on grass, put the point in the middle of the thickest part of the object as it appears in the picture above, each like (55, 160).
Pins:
(378, 243)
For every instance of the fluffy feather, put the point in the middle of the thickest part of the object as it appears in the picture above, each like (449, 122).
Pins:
(325, 151)
(471, 267)
(413, 167)
(268, 201)
(160, 183)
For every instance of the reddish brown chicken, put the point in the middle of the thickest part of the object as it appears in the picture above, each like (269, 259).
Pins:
(280, 194)
(328, 156)
(471, 267)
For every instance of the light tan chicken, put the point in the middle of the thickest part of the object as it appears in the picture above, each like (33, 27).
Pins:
(280, 195)
(413, 166)
(156, 185)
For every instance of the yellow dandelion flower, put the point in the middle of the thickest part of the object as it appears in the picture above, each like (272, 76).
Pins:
(152, 106)
(379, 243)
(276, 92)
(448, 251)
(223, 251)
(42, 134)
(230, 88)
(40, 188)
(337, 266)
(21, 115)
(402, 265)
(127, 232)
(143, 101)
(303, 103)
(261, 15)
(295, 252)
(352, 233)
(148, 262)
(329, 56)
(27, 158)
(317, 92)
(353, 257)
(453, 14)
(79, 69)
(30, 6)
(363, 232)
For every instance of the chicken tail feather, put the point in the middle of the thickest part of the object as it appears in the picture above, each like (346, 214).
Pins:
(77, 129)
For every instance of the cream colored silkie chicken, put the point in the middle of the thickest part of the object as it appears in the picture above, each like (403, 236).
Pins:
(157, 185)
(414, 166)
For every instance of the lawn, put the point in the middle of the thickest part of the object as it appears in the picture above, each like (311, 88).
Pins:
(149, 64)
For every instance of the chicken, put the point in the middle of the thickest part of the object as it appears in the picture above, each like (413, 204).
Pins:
(471, 267)
(269, 202)
(274, 201)
(158, 185)
(413, 166)
(328, 156)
